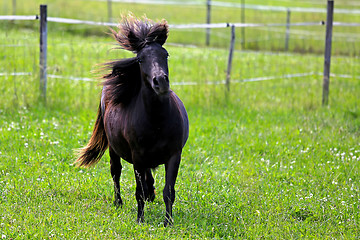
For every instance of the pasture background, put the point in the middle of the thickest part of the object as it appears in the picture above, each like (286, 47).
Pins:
(267, 161)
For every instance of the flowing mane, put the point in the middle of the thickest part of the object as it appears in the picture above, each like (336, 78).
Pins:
(135, 33)
(122, 82)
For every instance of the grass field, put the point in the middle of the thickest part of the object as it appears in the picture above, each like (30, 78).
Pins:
(265, 161)
(268, 161)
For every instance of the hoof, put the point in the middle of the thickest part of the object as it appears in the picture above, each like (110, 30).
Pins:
(118, 203)
(168, 222)
(140, 220)
(151, 196)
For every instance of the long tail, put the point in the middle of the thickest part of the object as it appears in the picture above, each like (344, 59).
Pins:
(98, 143)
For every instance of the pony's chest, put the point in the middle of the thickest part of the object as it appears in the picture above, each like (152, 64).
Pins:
(156, 139)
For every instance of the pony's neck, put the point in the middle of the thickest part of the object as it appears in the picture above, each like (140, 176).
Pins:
(155, 106)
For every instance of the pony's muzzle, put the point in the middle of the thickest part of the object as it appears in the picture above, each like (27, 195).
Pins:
(161, 84)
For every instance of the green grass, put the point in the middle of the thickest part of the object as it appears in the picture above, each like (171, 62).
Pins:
(245, 174)
(267, 161)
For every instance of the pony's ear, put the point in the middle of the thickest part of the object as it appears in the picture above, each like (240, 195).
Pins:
(159, 32)
(163, 34)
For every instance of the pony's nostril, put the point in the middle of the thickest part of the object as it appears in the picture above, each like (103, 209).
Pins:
(156, 82)
(160, 84)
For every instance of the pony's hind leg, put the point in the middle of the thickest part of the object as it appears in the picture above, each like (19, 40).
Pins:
(115, 168)
(150, 184)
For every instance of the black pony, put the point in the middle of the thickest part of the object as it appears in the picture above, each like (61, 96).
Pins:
(140, 119)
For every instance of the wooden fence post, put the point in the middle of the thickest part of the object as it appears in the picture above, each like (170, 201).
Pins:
(109, 11)
(14, 7)
(43, 51)
(13, 10)
(208, 20)
(327, 57)
(231, 51)
(243, 22)
(287, 34)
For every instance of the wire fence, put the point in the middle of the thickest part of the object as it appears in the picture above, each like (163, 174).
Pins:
(237, 5)
(273, 36)
(239, 75)
(189, 83)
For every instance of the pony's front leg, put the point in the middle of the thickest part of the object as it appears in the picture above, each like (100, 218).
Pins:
(115, 169)
(171, 168)
(150, 184)
(141, 192)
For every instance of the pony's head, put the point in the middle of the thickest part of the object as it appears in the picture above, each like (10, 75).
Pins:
(145, 38)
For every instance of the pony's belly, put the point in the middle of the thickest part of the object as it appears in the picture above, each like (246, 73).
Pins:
(152, 159)
(148, 151)
(154, 152)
